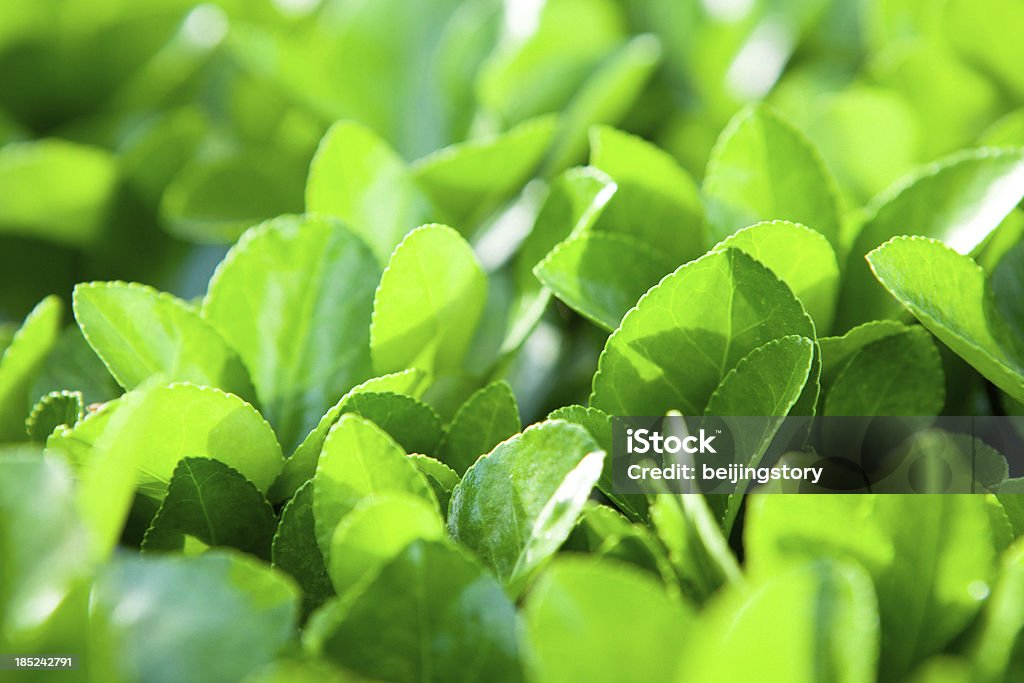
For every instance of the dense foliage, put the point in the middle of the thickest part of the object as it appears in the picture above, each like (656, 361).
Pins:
(317, 313)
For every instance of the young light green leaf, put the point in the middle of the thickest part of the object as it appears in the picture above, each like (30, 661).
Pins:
(294, 298)
(595, 620)
(656, 201)
(696, 547)
(56, 409)
(470, 180)
(762, 168)
(685, 334)
(891, 536)
(602, 275)
(145, 611)
(836, 352)
(425, 316)
(376, 531)
(359, 459)
(994, 647)
(143, 335)
(958, 201)
(442, 479)
(56, 190)
(357, 177)
(899, 374)
(21, 362)
(800, 257)
(545, 475)
(605, 97)
(153, 429)
(948, 293)
(808, 623)
(295, 550)
(300, 467)
(431, 615)
(214, 504)
(487, 417)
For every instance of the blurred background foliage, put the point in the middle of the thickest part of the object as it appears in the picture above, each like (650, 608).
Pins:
(139, 139)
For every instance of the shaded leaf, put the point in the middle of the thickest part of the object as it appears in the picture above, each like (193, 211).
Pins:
(487, 417)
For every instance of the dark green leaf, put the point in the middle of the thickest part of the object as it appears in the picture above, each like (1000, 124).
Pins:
(295, 550)
(488, 417)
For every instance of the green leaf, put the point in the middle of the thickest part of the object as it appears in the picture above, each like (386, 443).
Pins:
(958, 201)
(994, 650)
(377, 530)
(766, 382)
(684, 335)
(359, 459)
(949, 294)
(893, 537)
(425, 316)
(430, 615)
(516, 505)
(413, 424)
(151, 430)
(836, 352)
(300, 467)
(22, 361)
(606, 97)
(215, 199)
(487, 417)
(1007, 284)
(899, 374)
(574, 202)
(468, 181)
(698, 551)
(800, 257)
(602, 275)
(295, 550)
(56, 409)
(42, 545)
(605, 532)
(294, 298)
(143, 335)
(146, 611)
(656, 201)
(210, 502)
(595, 620)
(813, 622)
(357, 177)
(1007, 131)
(56, 190)
(599, 425)
(762, 168)
(442, 479)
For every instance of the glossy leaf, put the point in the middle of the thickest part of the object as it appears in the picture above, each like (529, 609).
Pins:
(949, 294)
(358, 460)
(958, 201)
(423, 317)
(293, 297)
(487, 417)
(683, 336)
(145, 336)
(763, 168)
(800, 257)
(357, 177)
(602, 275)
(431, 614)
(544, 475)
(209, 502)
